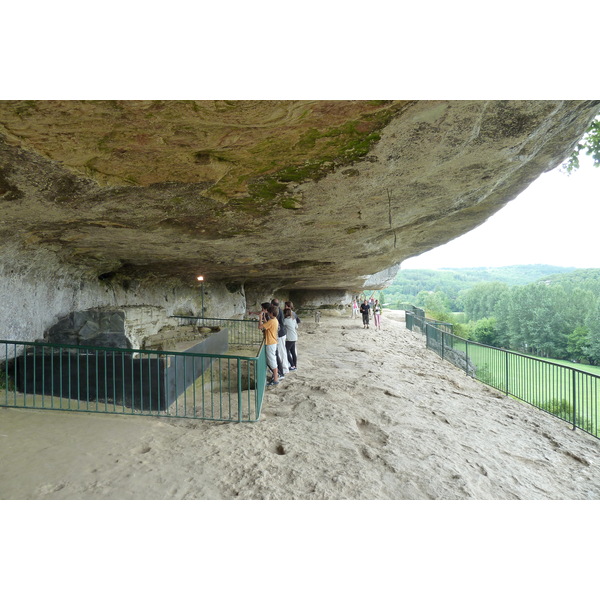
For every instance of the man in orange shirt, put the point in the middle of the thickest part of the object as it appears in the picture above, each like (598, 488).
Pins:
(268, 322)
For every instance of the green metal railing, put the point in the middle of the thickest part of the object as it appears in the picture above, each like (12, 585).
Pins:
(570, 394)
(141, 382)
(416, 319)
(242, 332)
(419, 312)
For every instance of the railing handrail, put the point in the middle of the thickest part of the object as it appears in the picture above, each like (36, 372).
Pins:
(434, 322)
(529, 357)
(426, 319)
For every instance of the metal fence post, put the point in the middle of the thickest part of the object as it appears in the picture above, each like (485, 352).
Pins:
(574, 401)
(506, 354)
(239, 386)
(442, 343)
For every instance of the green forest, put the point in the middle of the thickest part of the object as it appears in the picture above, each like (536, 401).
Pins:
(547, 311)
(412, 286)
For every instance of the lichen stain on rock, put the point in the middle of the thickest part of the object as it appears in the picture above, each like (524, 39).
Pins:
(117, 142)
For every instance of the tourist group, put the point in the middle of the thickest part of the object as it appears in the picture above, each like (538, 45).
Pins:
(366, 308)
(281, 334)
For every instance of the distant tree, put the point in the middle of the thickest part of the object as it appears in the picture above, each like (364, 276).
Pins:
(480, 301)
(547, 317)
(437, 306)
(421, 298)
(502, 315)
(577, 344)
(590, 142)
(593, 325)
(484, 332)
(540, 317)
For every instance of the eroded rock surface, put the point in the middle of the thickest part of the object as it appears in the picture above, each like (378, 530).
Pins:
(295, 195)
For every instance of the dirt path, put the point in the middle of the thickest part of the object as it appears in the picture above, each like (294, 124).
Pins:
(368, 415)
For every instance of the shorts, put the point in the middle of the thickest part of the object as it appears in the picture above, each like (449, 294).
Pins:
(272, 355)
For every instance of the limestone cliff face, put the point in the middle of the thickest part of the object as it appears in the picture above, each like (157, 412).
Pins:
(301, 196)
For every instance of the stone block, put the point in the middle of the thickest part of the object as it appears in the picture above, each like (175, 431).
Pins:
(91, 328)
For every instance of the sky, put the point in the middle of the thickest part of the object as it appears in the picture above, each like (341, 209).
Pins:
(555, 221)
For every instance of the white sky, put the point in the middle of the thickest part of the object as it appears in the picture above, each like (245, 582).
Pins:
(555, 221)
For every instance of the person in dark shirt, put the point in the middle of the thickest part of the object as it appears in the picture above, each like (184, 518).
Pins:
(364, 311)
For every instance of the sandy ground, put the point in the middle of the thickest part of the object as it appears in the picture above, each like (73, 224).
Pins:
(368, 415)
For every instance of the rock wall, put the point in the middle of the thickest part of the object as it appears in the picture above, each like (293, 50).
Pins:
(36, 291)
(313, 299)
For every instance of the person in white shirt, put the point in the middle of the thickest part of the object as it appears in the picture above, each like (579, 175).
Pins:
(355, 312)
(291, 337)
(281, 352)
(377, 314)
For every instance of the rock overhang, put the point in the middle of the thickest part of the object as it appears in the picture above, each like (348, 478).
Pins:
(291, 194)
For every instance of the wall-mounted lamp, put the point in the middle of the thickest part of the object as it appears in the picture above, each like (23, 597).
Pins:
(200, 278)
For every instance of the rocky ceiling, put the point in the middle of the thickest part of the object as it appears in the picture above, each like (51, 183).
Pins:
(295, 194)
